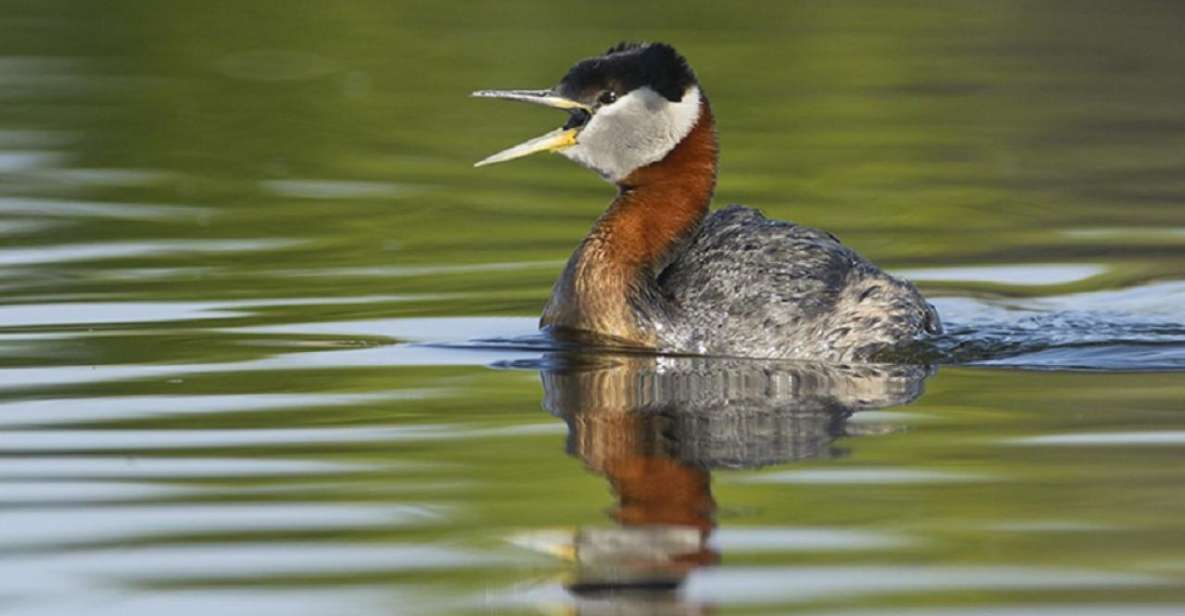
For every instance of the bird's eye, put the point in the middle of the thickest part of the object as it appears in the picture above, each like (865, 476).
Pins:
(607, 97)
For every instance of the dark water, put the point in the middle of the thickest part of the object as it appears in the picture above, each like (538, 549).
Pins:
(267, 341)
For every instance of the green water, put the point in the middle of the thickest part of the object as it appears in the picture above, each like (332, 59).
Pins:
(266, 338)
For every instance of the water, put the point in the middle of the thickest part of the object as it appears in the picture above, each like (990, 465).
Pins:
(267, 341)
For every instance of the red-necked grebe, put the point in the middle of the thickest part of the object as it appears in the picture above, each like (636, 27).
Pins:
(657, 271)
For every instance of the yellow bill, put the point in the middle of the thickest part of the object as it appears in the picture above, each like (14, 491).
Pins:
(554, 141)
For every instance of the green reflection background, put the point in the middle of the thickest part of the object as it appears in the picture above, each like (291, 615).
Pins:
(921, 133)
(336, 140)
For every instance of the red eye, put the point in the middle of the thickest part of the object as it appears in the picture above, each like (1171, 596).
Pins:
(607, 97)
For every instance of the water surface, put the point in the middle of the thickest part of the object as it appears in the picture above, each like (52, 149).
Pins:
(267, 342)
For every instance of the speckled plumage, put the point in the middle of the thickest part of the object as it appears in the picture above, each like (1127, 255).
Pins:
(754, 287)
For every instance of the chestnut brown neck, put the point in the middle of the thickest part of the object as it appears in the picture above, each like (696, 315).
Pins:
(609, 284)
(660, 205)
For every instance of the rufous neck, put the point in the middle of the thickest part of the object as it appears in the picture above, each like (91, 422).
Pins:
(658, 208)
(662, 204)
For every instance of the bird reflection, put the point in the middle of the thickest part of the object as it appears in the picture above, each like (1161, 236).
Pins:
(655, 427)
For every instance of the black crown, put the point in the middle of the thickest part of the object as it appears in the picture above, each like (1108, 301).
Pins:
(630, 65)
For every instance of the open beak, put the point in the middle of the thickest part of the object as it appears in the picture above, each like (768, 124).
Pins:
(553, 141)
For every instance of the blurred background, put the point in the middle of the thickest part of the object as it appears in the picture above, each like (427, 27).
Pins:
(243, 255)
(323, 140)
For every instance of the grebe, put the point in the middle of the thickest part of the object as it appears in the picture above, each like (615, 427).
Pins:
(656, 271)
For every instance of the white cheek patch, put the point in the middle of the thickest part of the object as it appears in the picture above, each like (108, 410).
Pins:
(641, 128)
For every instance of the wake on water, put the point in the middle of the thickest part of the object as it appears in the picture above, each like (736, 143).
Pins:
(1135, 329)
(1141, 328)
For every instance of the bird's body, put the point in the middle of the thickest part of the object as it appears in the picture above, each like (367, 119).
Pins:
(657, 271)
(752, 287)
